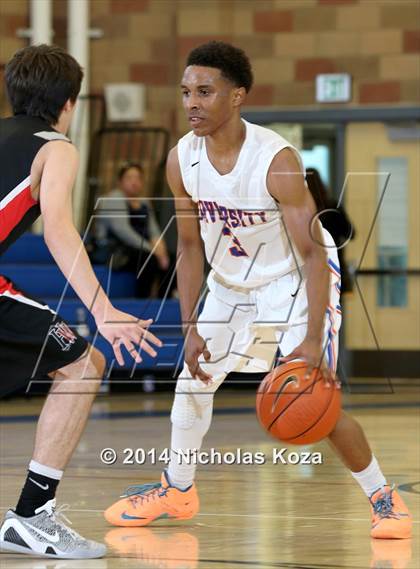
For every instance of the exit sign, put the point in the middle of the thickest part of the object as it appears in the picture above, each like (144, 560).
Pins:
(333, 88)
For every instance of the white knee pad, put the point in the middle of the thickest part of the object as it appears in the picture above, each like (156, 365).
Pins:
(192, 401)
(183, 414)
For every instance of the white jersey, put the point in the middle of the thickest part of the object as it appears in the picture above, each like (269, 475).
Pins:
(241, 225)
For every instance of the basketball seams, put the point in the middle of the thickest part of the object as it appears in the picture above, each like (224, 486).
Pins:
(290, 440)
(263, 388)
(307, 390)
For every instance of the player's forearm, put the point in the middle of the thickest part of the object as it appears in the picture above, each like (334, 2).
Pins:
(190, 280)
(318, 280)
(68, 251)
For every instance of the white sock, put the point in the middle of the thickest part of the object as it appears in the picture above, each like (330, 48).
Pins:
(181, 472)
(48, 471)
(371, 478)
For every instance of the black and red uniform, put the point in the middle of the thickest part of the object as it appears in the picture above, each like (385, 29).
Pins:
(34, 340)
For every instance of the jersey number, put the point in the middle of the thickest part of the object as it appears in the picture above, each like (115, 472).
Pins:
(237, 250)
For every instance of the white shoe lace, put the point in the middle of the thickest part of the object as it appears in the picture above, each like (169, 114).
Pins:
(58, 516)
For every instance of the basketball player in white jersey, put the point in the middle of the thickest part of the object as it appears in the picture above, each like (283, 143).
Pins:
(274, 283)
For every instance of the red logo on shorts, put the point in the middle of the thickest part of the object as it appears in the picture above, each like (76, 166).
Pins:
(63, 335)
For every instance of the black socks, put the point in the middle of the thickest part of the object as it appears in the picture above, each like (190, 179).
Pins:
(38, 490)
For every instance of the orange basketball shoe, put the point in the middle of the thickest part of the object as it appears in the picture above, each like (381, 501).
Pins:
(150, 502)
(390, 516)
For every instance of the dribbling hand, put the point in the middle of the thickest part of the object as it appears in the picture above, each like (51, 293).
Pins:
(312, 352)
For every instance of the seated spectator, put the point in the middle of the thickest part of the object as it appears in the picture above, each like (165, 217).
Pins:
(126, 229)
(335, 222)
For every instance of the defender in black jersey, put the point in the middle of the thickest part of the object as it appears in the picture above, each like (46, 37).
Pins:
(31, 345)
(38, 166)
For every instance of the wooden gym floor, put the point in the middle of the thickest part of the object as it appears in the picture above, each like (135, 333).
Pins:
(252, 516)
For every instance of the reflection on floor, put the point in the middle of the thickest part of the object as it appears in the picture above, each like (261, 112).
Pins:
(252, 516)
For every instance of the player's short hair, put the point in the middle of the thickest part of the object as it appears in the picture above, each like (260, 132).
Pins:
(232, 61)
(126, 167)
(40, 79)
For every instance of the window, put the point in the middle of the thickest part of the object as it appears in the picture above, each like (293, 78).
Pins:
(392, 230)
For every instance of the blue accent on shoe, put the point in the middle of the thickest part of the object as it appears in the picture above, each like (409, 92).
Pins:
(139, 489)
(383, 506)
(125, 516)
(164, 516)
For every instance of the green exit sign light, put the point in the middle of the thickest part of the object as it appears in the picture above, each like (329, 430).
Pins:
(333, 88)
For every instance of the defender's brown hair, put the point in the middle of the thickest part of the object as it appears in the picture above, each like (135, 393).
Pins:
(40, 79)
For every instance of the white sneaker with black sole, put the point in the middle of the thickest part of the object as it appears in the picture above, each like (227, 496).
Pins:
(45, 535)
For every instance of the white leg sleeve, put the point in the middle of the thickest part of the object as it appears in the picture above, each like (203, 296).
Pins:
(191, 417)
(228, 335)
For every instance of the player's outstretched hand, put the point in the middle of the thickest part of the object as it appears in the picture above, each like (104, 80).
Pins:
(194, 347)
(312, 352)
(122, 329)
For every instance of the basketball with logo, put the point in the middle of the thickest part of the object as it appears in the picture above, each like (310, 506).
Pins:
(297, 409)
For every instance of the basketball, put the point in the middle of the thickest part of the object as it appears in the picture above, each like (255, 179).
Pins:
(294, 409)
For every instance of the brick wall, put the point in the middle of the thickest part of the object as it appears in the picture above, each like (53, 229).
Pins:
(13, 15)
(289, 42)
